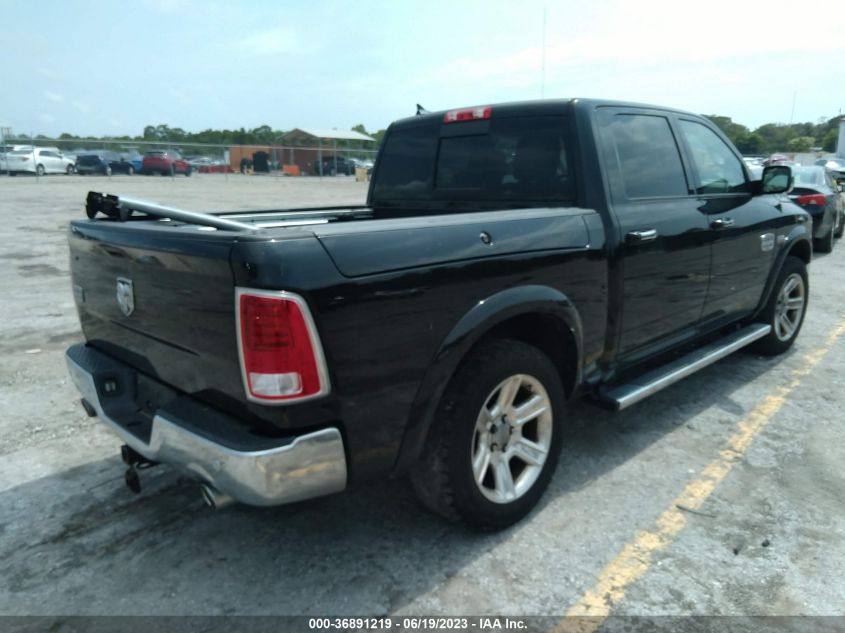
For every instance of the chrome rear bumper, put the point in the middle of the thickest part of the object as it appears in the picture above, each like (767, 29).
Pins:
(271, 472)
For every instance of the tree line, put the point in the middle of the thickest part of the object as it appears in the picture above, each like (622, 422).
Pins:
(778, 137)
(261, 135)
(764, 140)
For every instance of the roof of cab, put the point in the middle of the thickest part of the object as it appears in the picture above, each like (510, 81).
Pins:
(537, 108)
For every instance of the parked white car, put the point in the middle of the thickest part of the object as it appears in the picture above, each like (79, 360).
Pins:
(40, 160)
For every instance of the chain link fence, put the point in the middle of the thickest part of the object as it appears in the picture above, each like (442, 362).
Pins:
(278, 160)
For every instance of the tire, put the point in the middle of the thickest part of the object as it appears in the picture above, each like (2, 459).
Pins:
(468, 429)
(70, 170)
(786, 322)
(107, 171)
(825, 243)
(840, 227)
(130, 171)
(188, 173)
(39, 170)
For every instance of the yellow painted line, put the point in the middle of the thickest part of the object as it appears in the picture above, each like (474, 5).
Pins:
(635, 558)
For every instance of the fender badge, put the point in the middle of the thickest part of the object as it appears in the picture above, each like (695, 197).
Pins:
(767, 242)
(125, 296)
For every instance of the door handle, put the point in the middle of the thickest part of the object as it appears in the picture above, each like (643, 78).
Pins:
(638, 237)
(721, 223)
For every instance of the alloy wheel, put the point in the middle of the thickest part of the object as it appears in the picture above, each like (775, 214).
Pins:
(512, 438)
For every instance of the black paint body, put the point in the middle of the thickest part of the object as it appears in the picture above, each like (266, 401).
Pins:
(400, 296)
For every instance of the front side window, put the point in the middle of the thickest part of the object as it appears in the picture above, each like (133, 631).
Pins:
(719, 170)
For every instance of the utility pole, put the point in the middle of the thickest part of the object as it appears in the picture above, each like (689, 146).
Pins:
(792, 114)
(543, 62)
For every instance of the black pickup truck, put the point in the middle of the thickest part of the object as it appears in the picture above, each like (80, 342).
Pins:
(509, 258)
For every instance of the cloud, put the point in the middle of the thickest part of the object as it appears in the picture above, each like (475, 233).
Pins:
(635, 35)
(271, 42)
(54, 97)
(83, 107)
(46, 118)
(169, 6)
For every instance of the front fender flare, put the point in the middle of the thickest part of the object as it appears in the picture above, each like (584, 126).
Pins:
(799, 237)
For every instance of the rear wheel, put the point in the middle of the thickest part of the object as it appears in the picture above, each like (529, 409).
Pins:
(785, 309)
(39, 170)
(840, 227)
(107, 170)
(130, 170)
(825, 243)
(495, 443)
(70, 170)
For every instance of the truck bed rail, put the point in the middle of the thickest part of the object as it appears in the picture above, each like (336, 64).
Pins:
(121, 208)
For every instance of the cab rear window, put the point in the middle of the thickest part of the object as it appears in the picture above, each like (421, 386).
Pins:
(512, 160)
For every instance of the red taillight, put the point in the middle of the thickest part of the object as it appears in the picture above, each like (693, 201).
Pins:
(815, 198)
(281, 357)
(468, 114)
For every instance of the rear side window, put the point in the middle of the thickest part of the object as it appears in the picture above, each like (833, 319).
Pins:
(648, 156)
(719, 170)
(514, 159)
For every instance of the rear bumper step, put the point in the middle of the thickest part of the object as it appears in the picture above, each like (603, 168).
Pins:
(623, 396)
(253, 470)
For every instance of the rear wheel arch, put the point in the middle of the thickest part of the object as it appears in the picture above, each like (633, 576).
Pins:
(540, 316)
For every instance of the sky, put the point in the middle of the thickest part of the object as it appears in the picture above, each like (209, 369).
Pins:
(96, 68)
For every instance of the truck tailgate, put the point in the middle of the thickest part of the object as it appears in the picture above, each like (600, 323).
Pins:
(160, 299)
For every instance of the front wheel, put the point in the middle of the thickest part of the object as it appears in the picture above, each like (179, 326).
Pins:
(39, 170)
(785, 309)
(70, 170)
(495, 442)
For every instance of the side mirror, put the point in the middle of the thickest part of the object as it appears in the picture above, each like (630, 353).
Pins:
(777, 179)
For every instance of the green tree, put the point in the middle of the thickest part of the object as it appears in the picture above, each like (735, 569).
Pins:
(734, 131)
(752, 143)
(829, 140)
(801, 144)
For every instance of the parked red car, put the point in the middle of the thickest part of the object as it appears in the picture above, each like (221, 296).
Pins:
(164, 162)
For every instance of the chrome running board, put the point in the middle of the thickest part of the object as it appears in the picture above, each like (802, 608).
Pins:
(623, 396)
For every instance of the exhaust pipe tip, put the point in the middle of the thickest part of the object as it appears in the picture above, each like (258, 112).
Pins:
(215, 499)
(89, 408)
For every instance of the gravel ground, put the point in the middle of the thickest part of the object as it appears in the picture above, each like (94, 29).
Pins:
(73, 540)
